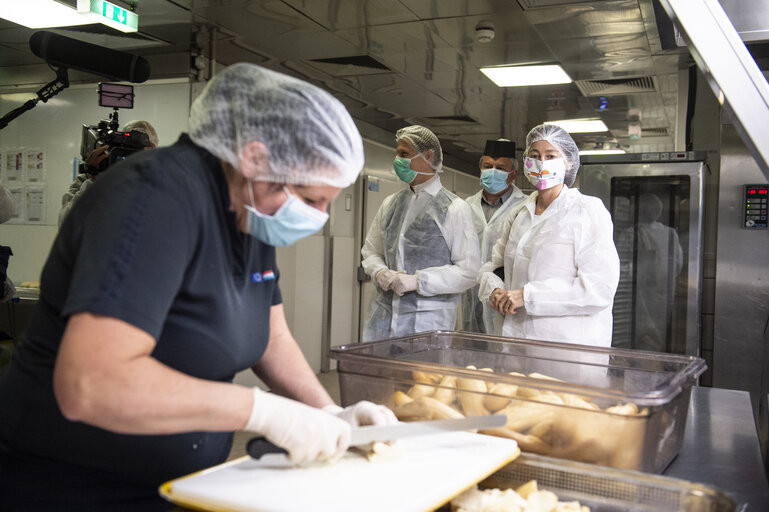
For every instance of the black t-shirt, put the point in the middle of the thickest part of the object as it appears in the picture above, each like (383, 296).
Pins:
(153, 243)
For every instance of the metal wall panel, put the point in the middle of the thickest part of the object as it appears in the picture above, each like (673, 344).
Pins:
(742, 276)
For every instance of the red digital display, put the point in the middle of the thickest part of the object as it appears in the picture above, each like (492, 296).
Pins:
(752, 192)
(763, 192)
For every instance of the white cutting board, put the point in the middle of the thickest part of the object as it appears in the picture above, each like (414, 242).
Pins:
(430, 471)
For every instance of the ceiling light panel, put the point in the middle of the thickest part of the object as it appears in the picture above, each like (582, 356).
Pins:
(41, 13)
(581, 125)
(602, 152)
(518, 76)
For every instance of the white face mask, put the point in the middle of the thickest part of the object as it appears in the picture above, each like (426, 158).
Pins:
(544, 175)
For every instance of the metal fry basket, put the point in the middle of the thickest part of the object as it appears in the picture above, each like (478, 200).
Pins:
(606, 489)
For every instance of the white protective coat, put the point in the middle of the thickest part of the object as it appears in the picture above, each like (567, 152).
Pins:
(565, 262)
(488, 233)
(434, 305)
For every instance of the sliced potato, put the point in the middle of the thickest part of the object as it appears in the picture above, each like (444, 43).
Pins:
(472, 400)
(541, 501)
(425, 377)
(628, 409)
(400, 398)
(420, 390)
(439, 410)
(527, 443)
(445, 391)
(527, 488)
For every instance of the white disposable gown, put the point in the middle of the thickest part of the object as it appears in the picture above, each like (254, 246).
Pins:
(428, 232)
(565, 262)
(478, 317)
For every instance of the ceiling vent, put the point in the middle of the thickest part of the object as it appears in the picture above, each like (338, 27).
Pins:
(356, 65)
(654, 132)
(102, 35)
(616, 86)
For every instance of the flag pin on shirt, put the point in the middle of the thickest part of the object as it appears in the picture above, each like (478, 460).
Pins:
(259, 277)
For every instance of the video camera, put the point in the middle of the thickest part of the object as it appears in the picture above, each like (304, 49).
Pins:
(106, 132)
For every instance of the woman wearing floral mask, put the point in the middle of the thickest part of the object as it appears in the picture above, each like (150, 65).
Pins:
(561, 268)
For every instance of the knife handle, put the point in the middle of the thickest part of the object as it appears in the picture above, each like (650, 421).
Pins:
(258, 446)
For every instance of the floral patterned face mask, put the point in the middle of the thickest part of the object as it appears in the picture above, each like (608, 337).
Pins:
(544, 175)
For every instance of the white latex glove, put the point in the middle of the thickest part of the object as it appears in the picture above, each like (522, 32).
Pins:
(363, 413)
(404, 283)
(307, 433)
(384, 278)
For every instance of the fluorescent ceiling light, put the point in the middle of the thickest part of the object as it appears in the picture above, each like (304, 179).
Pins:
(581, 125)
(41, 13)
(602, 152)
(516, 76)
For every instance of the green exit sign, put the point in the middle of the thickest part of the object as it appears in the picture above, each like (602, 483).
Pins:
(109, 14)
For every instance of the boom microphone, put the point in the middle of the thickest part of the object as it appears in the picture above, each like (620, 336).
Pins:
(73, 54)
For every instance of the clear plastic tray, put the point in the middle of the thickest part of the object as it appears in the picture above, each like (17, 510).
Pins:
(574, 417)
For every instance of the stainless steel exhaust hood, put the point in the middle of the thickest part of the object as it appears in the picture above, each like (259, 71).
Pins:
(749, 17)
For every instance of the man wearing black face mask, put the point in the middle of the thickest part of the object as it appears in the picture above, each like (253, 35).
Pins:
(491, 205)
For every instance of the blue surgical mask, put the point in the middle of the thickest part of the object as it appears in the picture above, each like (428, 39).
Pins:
(403, 168)
(494, 180)
(293, 221)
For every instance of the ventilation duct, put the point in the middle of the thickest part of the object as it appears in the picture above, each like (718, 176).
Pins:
(356, 65)
(654, 132)
(451, 120)
(540, 4)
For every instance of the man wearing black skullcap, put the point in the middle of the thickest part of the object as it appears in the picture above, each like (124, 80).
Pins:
(491, 205)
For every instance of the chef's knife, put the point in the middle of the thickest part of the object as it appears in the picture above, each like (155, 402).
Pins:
(362, 436)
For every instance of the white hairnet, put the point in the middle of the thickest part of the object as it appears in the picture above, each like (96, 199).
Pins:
(422, 139)
(563, 142)
(144, 127)
(310, 136)
(649, 207)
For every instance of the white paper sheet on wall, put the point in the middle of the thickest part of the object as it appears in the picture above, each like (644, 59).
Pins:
(35, 205)
(13, 166)
(35, 165)
(19, 199)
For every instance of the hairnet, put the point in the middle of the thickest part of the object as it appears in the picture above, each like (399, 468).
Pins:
(562, 141)
(144, 127)
(310, 136)
(649, 208)
(422, 139)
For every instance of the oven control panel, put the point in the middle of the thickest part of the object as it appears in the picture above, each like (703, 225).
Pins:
(756, 205)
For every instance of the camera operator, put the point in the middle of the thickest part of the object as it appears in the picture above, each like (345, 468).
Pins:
(92, 166)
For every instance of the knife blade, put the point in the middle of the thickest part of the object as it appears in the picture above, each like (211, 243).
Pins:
(361, 436)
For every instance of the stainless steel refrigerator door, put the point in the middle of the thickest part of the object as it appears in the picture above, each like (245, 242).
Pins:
(657, 214)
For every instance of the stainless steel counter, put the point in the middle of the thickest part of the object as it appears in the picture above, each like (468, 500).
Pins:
(721, 449)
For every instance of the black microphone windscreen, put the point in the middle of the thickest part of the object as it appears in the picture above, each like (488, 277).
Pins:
(73, 54)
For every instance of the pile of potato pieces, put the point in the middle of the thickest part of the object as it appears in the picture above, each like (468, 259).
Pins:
(526, 498)
(538, 427)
